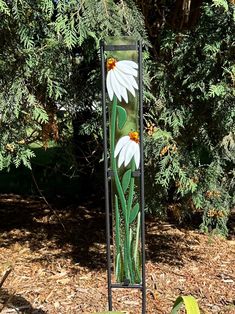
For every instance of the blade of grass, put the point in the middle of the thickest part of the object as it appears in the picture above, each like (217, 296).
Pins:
(190, 303)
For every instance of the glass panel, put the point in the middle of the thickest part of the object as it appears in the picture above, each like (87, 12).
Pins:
(122, 87)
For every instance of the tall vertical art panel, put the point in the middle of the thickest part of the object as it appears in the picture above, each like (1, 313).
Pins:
(123, 150)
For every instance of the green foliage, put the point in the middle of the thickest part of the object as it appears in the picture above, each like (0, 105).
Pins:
(4, 8)
(190, 153)
(49, 60)
(190, 303)
(221, 4)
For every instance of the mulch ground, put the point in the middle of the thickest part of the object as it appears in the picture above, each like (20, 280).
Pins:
(58, 263)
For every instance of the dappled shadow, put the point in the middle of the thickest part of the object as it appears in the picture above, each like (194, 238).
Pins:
(15, 303)
(78, 232)
(60, 269)
(167, 244)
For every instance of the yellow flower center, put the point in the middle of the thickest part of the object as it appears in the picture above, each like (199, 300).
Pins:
(111, 63)
(134, 136)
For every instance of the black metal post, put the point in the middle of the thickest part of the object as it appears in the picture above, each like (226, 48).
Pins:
(107, 207)
(140, 61)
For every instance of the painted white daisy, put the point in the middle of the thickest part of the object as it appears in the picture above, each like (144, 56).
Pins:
(120, 78)
(128, 147)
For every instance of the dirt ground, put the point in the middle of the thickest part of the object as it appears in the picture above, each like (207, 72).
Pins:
(58, 263)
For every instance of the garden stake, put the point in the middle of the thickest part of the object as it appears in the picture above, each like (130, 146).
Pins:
(122, 75)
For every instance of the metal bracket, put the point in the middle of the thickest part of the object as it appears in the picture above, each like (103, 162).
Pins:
(121, 286)
(136, 173)
(110, 173)
(120, 47)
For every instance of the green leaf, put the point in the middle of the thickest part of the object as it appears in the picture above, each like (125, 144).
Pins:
(221, 3)
(117, 238)
(122, 270)
(122, 117)
(190, 303)
(117, 264)
(4, 8)
(134, 213)
(40, 114)
(117, 222)
(126, 180)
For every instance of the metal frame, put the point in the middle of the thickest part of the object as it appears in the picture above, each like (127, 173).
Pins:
(108, 173)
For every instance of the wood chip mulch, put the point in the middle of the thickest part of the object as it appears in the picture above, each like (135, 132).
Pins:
(57, 260)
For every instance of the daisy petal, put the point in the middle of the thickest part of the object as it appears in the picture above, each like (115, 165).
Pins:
(115, 85)
(124, 94)
(109, 87)
(120, 144)
(126, 69)
(129, 63)
(137, 157)
(122, 89)
(130, 151)
(133, 81)
(124, 80)
(122, 154)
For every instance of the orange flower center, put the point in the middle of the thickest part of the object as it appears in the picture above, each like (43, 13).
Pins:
(134, 136)
(111, 63)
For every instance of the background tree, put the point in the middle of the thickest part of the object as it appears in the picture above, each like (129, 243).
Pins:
(49, 59)
(191, 147)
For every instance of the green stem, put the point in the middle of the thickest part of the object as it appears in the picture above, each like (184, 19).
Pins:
(131, 191)
(113, 161)
(129, 207)
(119, 186)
